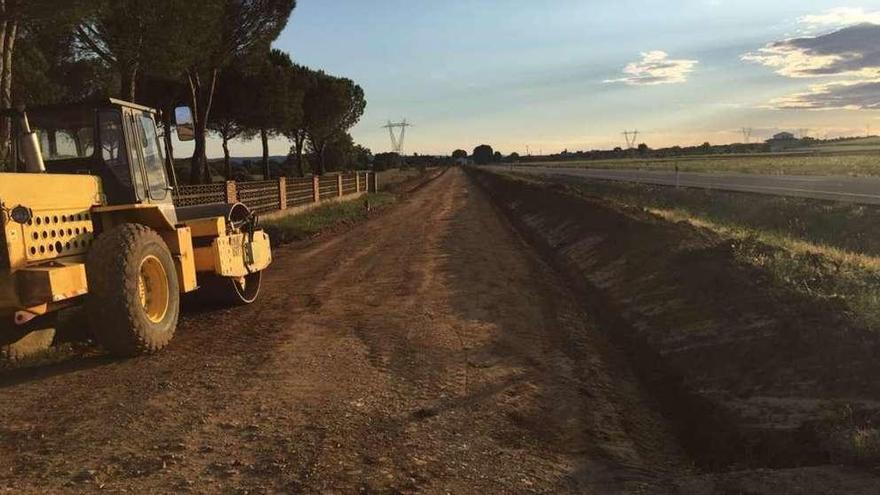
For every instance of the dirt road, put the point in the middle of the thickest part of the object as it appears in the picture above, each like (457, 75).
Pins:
(425, 350)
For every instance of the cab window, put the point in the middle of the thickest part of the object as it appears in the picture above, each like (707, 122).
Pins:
(113, 146)
(154, 163)
(122, 181)
(65, 134)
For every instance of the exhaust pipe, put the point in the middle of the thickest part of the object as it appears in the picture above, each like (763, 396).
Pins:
(30, 148)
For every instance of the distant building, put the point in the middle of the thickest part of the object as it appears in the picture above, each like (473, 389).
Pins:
(783, 141)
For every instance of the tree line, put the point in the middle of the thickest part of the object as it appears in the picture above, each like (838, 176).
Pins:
(213, 55)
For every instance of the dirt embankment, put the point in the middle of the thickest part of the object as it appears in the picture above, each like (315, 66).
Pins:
(752, 374)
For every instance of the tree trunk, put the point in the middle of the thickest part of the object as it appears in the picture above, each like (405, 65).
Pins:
(299, 143)
(198, 156)
(166, 137)
(264, 138)
(290, 163)
(6, 87)
(128, 77)
(5, 144)
(199, 160)
(321, 163)
(227, 165)
(3, 24)
(202, 96)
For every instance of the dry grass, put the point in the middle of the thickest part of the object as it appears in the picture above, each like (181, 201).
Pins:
(388, 178)
(797, 246)
(828, 251)
(820, 271)
(849, 435)
(865, 163)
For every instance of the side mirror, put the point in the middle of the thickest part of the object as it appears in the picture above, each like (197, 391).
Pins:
(183, 121)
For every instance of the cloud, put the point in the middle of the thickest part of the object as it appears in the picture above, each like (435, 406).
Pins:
(847, 95)
(850, 51)
(841, 16)
(654, 68)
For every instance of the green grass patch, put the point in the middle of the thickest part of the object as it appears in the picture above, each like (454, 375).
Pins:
(826, 250)
(324, 218)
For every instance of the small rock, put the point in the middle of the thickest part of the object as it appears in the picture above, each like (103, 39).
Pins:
(86, 476)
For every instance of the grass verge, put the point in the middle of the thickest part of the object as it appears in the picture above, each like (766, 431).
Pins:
(392, 177)
(826, 250)
(325, 218)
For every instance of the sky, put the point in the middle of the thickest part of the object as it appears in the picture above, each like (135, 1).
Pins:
(544, 76)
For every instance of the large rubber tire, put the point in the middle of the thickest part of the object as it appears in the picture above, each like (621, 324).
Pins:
(17, 343)
(134, 297)
(228, 291)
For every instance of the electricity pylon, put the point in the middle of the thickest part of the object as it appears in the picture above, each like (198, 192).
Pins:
(397, 140)
(631, 138)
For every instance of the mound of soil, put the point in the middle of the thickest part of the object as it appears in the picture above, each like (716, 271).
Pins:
(753, 374)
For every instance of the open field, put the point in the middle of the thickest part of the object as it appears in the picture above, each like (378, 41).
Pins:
(867, 144)
(860, 190)
(852, 163)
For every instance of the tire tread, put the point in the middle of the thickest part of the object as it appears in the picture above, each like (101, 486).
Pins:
(112, 305)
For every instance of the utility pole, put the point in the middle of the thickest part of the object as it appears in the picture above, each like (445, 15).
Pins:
(747, 135)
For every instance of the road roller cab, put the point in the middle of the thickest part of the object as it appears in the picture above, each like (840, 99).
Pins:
(89, 218)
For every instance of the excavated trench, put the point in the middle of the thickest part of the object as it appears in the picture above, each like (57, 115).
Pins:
(747, 372)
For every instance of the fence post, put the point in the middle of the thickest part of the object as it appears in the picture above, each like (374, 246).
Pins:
(231, 192)
(316, 188)
(282, 193)
(339, 184)
(357, 181)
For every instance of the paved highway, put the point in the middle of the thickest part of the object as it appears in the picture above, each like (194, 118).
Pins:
(864, 190)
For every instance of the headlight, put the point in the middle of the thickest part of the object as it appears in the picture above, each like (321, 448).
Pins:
(21, 214)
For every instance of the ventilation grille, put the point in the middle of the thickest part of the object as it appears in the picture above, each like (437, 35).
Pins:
(58, 233)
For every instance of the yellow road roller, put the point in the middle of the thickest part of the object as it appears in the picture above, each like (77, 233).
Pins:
(88, 218)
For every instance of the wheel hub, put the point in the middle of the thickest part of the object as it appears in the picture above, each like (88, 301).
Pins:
(153, 289)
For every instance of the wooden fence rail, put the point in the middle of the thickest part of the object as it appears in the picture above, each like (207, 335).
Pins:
(269, 196)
